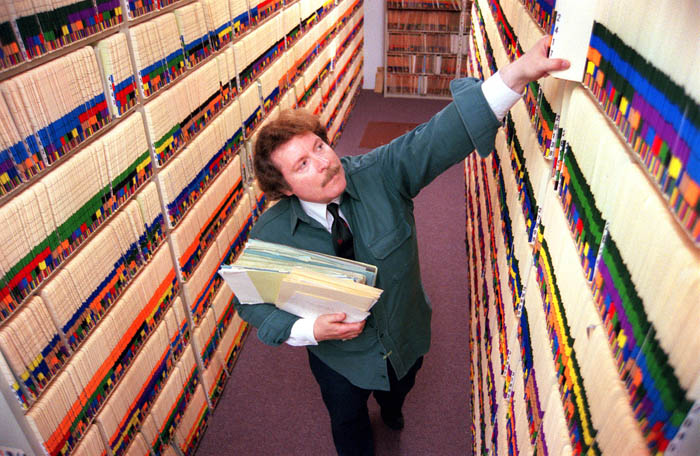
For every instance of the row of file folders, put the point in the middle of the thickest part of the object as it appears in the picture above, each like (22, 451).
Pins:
(109, 171)
(199, 240)
(160, 401)
(628, 287)
(118, 419)
(81, 294)
(209, 212)
(33, 29)
(112, 168)
(647, 92)
(84, 175)
(46, 122)
(70, 375)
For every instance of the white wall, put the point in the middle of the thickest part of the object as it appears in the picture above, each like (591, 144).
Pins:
(11, 435)
(374, 40)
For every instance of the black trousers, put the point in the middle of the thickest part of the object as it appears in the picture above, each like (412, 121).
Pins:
(347, 405)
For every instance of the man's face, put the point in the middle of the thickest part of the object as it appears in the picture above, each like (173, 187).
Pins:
(311, 168)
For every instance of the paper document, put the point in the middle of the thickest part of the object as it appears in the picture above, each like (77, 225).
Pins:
(242, 284)
(301, 282)
(310, 306)
(571, 36)
(262, 254)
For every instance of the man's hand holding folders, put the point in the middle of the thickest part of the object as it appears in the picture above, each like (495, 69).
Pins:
(334, 291)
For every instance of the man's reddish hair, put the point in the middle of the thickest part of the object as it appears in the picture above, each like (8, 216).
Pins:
(288, 124)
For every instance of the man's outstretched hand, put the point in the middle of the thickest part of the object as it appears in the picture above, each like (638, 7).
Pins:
(331, 326)
(532, 65)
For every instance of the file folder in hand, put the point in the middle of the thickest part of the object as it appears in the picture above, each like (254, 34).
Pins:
(304, 283)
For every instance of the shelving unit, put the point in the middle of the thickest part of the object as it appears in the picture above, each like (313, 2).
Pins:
(118, 236)
(425, 45)
(572, 339)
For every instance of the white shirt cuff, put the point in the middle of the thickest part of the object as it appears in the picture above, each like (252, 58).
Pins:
(499, 96)
(302, 333)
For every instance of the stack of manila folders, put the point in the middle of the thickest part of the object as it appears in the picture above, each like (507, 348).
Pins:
(301, 282)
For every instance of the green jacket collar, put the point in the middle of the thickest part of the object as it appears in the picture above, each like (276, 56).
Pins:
(297, 214)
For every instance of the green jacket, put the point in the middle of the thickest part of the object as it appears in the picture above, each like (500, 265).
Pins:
(379, 208)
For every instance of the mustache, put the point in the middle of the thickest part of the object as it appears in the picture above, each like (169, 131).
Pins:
(330, 174)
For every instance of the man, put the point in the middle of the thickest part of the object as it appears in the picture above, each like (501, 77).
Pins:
(361, 207)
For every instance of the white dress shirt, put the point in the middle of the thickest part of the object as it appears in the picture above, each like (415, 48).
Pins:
(303, 329)
(500, 98)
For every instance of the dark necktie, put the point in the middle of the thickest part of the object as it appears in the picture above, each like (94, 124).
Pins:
(341, 235)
